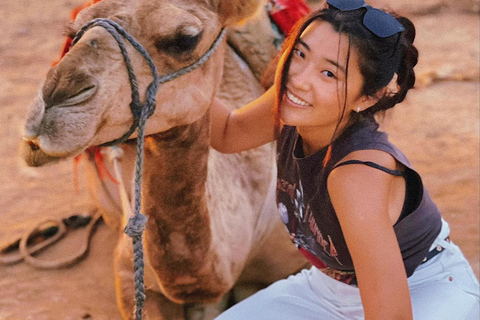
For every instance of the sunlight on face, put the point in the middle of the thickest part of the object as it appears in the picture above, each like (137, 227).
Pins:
(317, 81)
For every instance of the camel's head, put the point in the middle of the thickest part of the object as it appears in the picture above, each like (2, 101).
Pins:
(85, 98)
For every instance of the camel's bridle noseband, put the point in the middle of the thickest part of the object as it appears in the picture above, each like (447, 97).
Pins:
(136, 223)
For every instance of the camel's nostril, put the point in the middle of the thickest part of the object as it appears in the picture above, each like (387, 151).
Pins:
(79, 96)
(33, 145)
(64, 88)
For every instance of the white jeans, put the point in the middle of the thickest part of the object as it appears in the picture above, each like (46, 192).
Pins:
(443, 288)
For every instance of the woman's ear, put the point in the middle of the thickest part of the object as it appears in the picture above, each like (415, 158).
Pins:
(389, 90)
(365, 103)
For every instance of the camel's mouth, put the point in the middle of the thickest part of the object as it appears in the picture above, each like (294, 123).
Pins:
(32, 144)
(34, 156)
(35, 152)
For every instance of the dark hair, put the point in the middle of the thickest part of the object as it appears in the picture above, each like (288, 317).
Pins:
(379, 58)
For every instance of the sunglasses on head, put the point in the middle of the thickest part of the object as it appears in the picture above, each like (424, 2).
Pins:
(377, 21)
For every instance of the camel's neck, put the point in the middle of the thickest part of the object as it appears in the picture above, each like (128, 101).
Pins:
(175, 173)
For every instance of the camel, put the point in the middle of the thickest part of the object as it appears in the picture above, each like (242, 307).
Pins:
(212, 219)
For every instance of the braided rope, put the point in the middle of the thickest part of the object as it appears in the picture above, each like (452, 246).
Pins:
(136, 223)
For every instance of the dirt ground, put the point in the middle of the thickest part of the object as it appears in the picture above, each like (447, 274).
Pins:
(437, 127)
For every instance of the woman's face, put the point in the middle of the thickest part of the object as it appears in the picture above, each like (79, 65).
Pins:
(316, 83)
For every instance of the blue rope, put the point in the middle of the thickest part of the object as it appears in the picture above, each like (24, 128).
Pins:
(136, 223)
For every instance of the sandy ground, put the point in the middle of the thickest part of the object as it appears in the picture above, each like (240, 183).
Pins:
(437, 127)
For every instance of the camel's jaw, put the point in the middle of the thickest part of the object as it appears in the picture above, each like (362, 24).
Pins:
(34, 156)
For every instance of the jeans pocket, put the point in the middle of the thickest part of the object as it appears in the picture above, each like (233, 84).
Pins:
(459, 270)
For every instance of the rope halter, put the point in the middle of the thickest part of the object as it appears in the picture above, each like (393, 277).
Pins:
(118, 33)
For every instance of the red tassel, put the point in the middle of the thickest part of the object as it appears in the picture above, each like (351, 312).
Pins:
(94, 153)
(76, 161)
(102, 169)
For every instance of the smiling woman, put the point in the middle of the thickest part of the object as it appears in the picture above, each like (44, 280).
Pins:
(315, 78)
(359, 211)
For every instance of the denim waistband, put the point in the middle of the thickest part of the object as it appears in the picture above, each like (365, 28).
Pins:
(440, 243)
(440, 240)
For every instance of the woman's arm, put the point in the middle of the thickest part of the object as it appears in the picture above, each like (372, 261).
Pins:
(362, 198)
(245, 128)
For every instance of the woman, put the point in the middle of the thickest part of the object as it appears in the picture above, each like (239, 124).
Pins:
(350, 200)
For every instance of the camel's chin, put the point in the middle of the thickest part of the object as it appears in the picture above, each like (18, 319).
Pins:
(35, 157)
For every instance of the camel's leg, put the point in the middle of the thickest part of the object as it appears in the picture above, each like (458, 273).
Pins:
(159, 307)
(156, 305)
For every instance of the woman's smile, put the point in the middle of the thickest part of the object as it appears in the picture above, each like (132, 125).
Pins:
(296, 101)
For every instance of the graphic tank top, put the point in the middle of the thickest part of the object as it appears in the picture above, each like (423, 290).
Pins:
(305, 207)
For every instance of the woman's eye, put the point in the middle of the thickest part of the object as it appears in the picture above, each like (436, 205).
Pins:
(328, 73)
(298, 53)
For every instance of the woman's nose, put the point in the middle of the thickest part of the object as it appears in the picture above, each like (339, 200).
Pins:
(300, 77)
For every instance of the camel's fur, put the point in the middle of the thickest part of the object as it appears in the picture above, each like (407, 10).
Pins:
(212, 217)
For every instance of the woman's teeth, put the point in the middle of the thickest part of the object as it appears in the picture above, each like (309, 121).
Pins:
(296, 100)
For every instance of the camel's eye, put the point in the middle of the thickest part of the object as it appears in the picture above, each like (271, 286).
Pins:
(179, 43)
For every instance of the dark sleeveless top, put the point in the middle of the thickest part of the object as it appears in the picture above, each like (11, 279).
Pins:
(305, 207)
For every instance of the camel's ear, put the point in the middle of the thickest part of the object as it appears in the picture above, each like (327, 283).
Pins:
(233, 11)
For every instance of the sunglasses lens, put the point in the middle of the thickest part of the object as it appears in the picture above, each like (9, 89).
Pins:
(346, 5)
(381, 23)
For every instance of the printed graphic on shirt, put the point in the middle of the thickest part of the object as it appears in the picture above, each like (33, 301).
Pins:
(300, 221)
(299, 203)
(282, 209)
